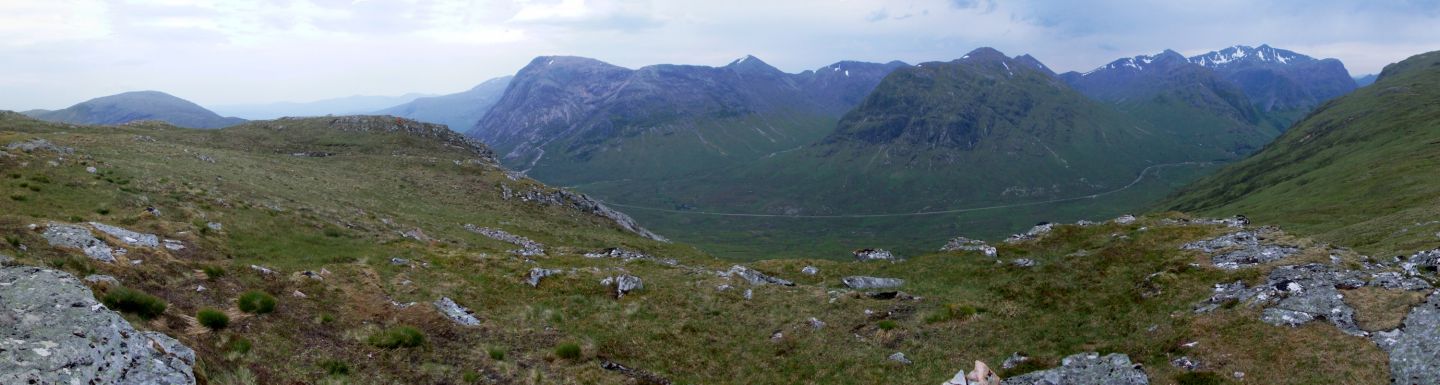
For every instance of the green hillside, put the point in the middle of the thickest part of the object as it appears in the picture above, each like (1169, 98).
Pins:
(1356, 171)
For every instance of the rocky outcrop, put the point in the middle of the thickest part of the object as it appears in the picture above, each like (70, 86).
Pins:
(1035, 233)
(1242, 249)
(628, 255)
(1415, 347)
(52, 331)
(391, 124)
(863, 282)
(455, 312)
(755, 277)
(1086, 369)
(866, 255)
(967, 244)
(38, 145)
(623, 284)
(126, 236)
(537, 274)
(528, 248)
(76, 237)
(583, 203)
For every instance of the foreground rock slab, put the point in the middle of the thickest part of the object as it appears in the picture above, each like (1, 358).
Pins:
(1086, 369)
(1414, 348)
(62, 235)
(52, 331)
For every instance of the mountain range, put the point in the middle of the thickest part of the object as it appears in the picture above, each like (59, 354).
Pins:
(140, 105)
(459, 111)
(359, 104)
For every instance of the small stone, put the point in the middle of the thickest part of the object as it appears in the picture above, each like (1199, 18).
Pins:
(810, 270)
(537, 274)
(298, 294)
(455, 312)
(1023, 262)
(262, 270)
(900, 357)
(91, 169)
(100, 278)
(199, 288)
(1014, 360)
(777, 336)
(749, 293)
(1184, 363)
(215, 226)
(397, 261)
(816, 323)
(866, 255)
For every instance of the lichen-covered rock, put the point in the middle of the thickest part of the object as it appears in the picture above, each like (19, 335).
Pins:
(1308, 292)
(1035, 233)
(537, 274)
(1242, 249)
(810, 270)
(583, 203)
(755, 277)
(623, 284)
(967, 244)
(455, 312)
(863, 282)
(1124, 219)
(900, 357)
(630, 255)
(1422, 262)
(1014, 360)
(865, 255)
(62, 235)
(1023, 262)
(1415, 347)
(1086, 369)
(52, 331)
(128, 237)
(101, 278)
(39, 144)
(528, 248)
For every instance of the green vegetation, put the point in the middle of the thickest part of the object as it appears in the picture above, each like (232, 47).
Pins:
(497, 353)
(214, 319)
(398, 337)
(1199, 378)
(1351, 173)
(213, 272)
(256, 302)
(335, 368)
(568, 350)
(134, 302)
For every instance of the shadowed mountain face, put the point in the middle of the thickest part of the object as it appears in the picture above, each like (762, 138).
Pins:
(573, 120)
(459, 111)
(1354, 171)
(1277, 79)
(141, 105)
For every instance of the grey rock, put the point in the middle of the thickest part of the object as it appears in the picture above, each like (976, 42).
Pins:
(62, 235)
(1035, 233)
(900, 357)
(173, 245)
(967, 244)
(416, 234)
(1422, 263)
(1393, 280)
(101, 278)
(217, 226)
(397, 261)
(58, 334)
(623, 284)
(528, 248)
(455, 312)
(1086, 369)
(1023, 262)
(1308, 292)
(128, 237)
(1014, 360)
(583, 203)
(1242, 249)
(863, 282)
(866, 255)
(755, 277)
(537, 274)
(816, 323)
(263, 270)
(1184, 362)
(1414, 348)
(810, 270)
(630, 255)
(39, 144)
(6, 260)
(1124, 219)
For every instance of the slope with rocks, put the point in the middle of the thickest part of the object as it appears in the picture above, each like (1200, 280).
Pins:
(1349, 172)
(571, 120)
(136, 106)
(459, 111)
(391, 253)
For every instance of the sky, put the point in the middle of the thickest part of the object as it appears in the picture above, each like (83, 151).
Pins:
(55, 53)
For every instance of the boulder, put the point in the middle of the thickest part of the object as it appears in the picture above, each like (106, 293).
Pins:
(967, 244)
(900, 357)
(1308, 292)
(128, 237)
(1023, 262)
(810, 270)
(863, 282)
(71, 236)
(1086, 369)
(537, 274)
(6, 260)
(52, 331)
(1124, 219)
(755, 277)
(1035, 233)
(1414, 348)
(623, 284)
(455, 312)
(528, 248)
(866, 255)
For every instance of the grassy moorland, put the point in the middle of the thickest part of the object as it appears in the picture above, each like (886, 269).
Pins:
(1108, 287)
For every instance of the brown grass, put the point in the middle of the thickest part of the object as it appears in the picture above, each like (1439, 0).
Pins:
(1379, 309)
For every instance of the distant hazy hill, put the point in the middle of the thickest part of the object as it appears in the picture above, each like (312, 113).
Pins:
(1365, 80)
(139, 105)
(1359, 170)
(460, 111)
(337, 106)
(572, 120)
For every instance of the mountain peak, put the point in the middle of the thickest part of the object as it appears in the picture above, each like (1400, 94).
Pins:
(1243, 54)
(753, 65)
(984, 54)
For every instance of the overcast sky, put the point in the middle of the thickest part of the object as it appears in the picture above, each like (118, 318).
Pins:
(55, 53)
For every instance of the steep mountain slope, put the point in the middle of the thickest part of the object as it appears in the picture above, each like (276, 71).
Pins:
(1180, 98)
(570, 120)
(1278, 80)
(946, 142)
(459, 111)
(140, 105)
(1353, 171)
(358, 104)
